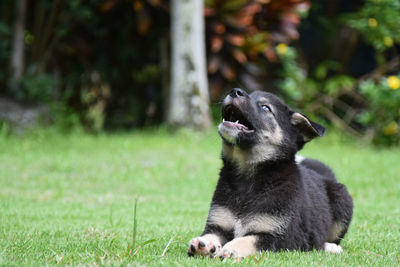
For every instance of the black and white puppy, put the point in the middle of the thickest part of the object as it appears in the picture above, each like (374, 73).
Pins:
(267, 198)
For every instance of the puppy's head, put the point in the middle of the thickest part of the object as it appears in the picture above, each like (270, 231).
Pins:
(259, 127)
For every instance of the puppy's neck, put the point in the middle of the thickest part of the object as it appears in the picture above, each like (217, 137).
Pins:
(248, 161)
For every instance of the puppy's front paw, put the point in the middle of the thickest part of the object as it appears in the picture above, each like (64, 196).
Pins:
(332, 248)
(238, 248)
(207, 245)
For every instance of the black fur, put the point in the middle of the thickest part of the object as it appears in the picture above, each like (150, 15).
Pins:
(307, 194)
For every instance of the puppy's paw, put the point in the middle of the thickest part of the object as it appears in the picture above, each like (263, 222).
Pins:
(229, 253)
(206, 245)
(238, 248)
(332, 248)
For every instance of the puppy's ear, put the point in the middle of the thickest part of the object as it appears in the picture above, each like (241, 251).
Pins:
(306, 127)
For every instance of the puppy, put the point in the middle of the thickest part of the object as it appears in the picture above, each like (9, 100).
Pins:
(267, 198)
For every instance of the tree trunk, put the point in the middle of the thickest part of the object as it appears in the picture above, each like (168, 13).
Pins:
(17, 54)
(189, 96)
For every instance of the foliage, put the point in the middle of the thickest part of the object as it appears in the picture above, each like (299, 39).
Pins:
(5, 33)
(67, 42)
(130, 32)
(383, 116)
(239, 32)
(310, 92)
(367, 107)
(108, 61)
(39, 86)
(378, 22)
(344, 78)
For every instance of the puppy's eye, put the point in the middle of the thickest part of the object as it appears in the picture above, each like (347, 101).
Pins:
(266, 108)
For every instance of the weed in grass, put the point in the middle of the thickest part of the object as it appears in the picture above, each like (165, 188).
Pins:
(132, 245)
(132, 250)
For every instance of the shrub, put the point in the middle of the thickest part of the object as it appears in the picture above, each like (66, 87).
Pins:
(382, 118)
(369, 107)
(378, 21)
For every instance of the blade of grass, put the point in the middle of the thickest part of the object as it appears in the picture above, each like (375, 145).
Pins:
(166, 247)
(134, 225)
(111, 216)
(143, 244)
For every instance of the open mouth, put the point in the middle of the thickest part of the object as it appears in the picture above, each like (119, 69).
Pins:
(232, 117)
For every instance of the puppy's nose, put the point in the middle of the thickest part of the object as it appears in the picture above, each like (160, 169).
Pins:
(237, 92)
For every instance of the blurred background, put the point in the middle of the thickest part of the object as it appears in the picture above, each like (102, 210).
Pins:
(124, 64)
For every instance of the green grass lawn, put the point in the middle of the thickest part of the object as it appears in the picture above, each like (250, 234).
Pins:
(69, 199)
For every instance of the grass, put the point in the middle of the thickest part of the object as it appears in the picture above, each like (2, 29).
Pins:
(69, 199)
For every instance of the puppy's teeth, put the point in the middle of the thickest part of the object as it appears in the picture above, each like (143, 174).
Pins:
(237, 121)
(223, 120)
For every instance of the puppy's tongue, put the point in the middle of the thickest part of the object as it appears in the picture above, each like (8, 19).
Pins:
(234, 125)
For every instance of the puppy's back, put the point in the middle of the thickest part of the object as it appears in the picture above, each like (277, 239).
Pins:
(317, 166)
